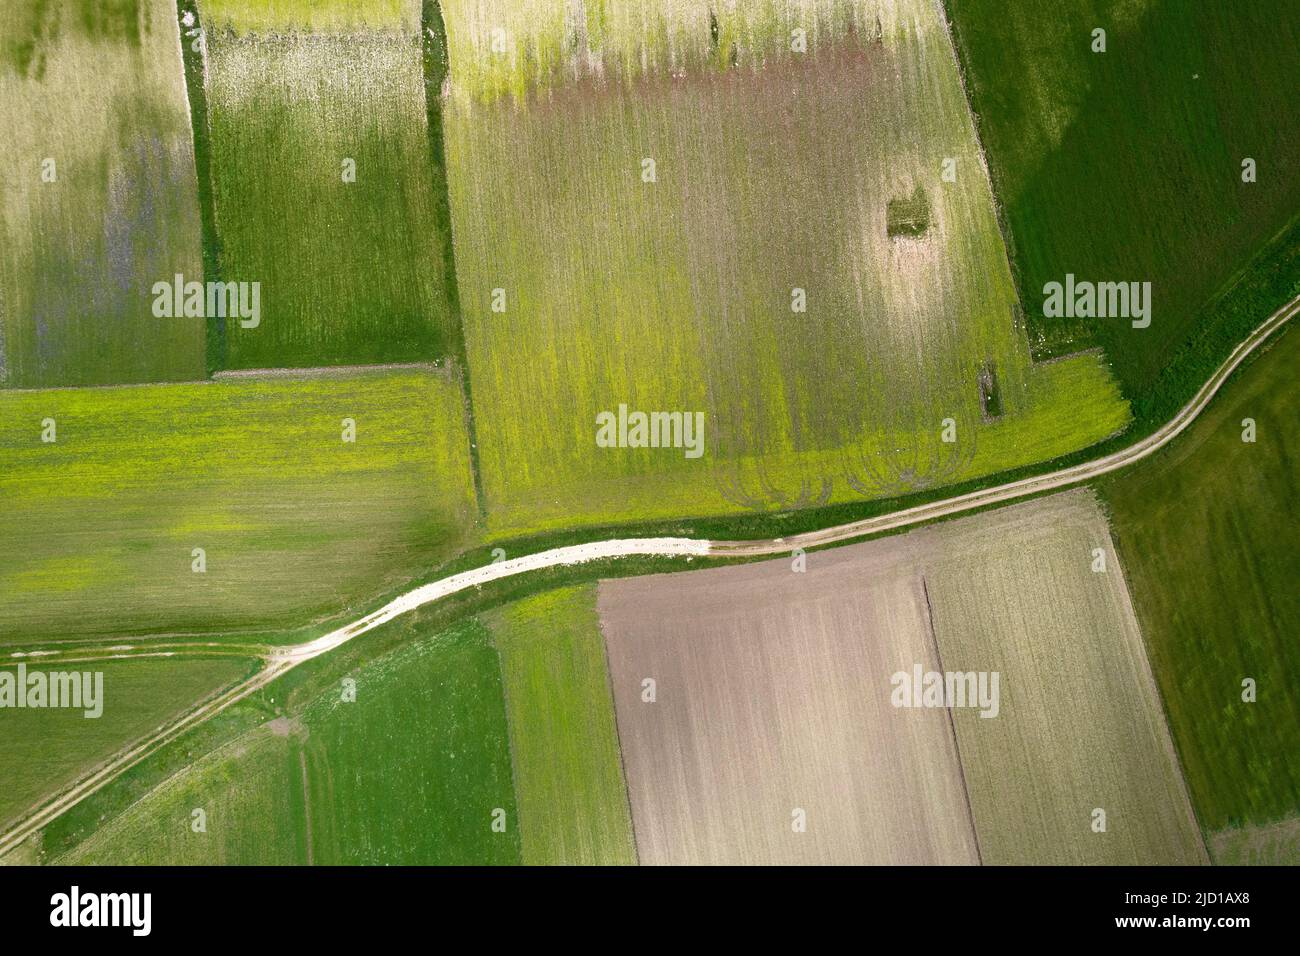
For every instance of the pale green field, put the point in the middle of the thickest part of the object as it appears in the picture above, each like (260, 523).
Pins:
(676, 294)
(97, 528)
(43, 751)
(96, 88)
(351, 272)
(568, 774)
(321, 16)
(1080, 725)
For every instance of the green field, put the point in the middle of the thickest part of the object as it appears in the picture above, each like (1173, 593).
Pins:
(94, 87)
(447, 721)
(568, 773)
(409, 772)
(42, 751)
(351, 272)
(97, 529)
(413, 770)
(677, 294)
(1205, 529)
(659, 206)
(1127, 165)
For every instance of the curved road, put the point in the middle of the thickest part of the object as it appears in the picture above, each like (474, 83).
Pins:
(281, 659)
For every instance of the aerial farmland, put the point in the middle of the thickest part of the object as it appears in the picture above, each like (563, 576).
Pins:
(1181, 162)
(664, 433)
(235, 505)
(54, 750)
(775, 697)
(750, 729)
(322, 189)
(1213, 590)
(568, 766)
(826, 355)
(96, 117)
(315, 784)
(1047, 606)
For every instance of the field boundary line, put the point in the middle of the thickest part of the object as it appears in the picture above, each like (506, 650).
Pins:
(327, 371)
(952, 723)
(618, 732)
(435, 62)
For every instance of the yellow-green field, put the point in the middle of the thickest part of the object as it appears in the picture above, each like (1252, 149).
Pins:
(97, 528)
(98, 197)
(585, 287)
(568, 769)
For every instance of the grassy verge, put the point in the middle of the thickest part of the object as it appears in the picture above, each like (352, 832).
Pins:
(435, 58)
(193, 54)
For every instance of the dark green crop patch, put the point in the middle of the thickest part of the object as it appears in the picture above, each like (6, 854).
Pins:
(909, 216)
(1168, 158)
